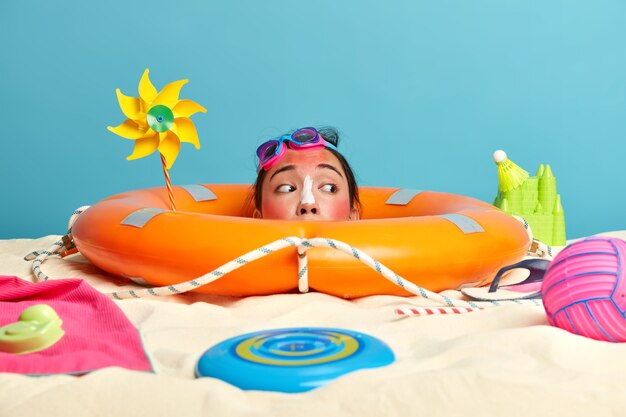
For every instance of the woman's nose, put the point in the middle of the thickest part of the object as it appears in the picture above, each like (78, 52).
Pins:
(307, 208)
(308, 204)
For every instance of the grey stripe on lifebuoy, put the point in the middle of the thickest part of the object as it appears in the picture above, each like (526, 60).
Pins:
(199, 192)
(402, 197)
(142, 216)
(138, 280)
(464, 223)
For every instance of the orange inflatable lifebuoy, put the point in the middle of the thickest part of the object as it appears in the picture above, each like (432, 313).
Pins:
(436, 240)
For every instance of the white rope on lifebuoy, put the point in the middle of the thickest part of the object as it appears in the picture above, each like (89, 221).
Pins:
(537, 248)
(62, 245)
(302, 245)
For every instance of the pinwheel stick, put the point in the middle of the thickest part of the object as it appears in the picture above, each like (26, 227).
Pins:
(168, 183)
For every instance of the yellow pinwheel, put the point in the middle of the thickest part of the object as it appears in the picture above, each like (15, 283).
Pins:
(157, 120)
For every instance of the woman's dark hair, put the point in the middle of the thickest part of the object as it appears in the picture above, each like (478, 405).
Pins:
(331, 135)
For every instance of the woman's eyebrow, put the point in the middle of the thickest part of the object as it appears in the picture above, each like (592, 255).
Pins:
(328, 166)
(283, 169)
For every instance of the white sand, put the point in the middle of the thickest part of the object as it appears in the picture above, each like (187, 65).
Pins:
(504, 361)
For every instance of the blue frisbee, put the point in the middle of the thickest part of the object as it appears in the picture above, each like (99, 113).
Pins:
(292, 360)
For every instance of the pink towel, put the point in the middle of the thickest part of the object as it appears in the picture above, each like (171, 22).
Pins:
(97, 333)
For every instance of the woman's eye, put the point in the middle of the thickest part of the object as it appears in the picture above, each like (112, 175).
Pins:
(329, 188)
(286, 188)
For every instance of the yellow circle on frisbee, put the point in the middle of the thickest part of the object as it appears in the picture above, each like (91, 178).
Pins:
(296, 353)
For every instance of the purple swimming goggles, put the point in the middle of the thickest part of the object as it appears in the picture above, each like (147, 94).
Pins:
(273, 150)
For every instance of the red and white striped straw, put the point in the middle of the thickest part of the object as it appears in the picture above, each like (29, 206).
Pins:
(429, 311)
(168, 183)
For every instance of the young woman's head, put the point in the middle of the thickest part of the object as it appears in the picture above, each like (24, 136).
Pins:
(302, 176)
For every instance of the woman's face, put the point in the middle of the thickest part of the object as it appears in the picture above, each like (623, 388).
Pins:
(306, 185)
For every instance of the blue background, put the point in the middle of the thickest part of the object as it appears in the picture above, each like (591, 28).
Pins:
(423, 93)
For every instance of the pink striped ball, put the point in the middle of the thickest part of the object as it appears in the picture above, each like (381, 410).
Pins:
(584, 289)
